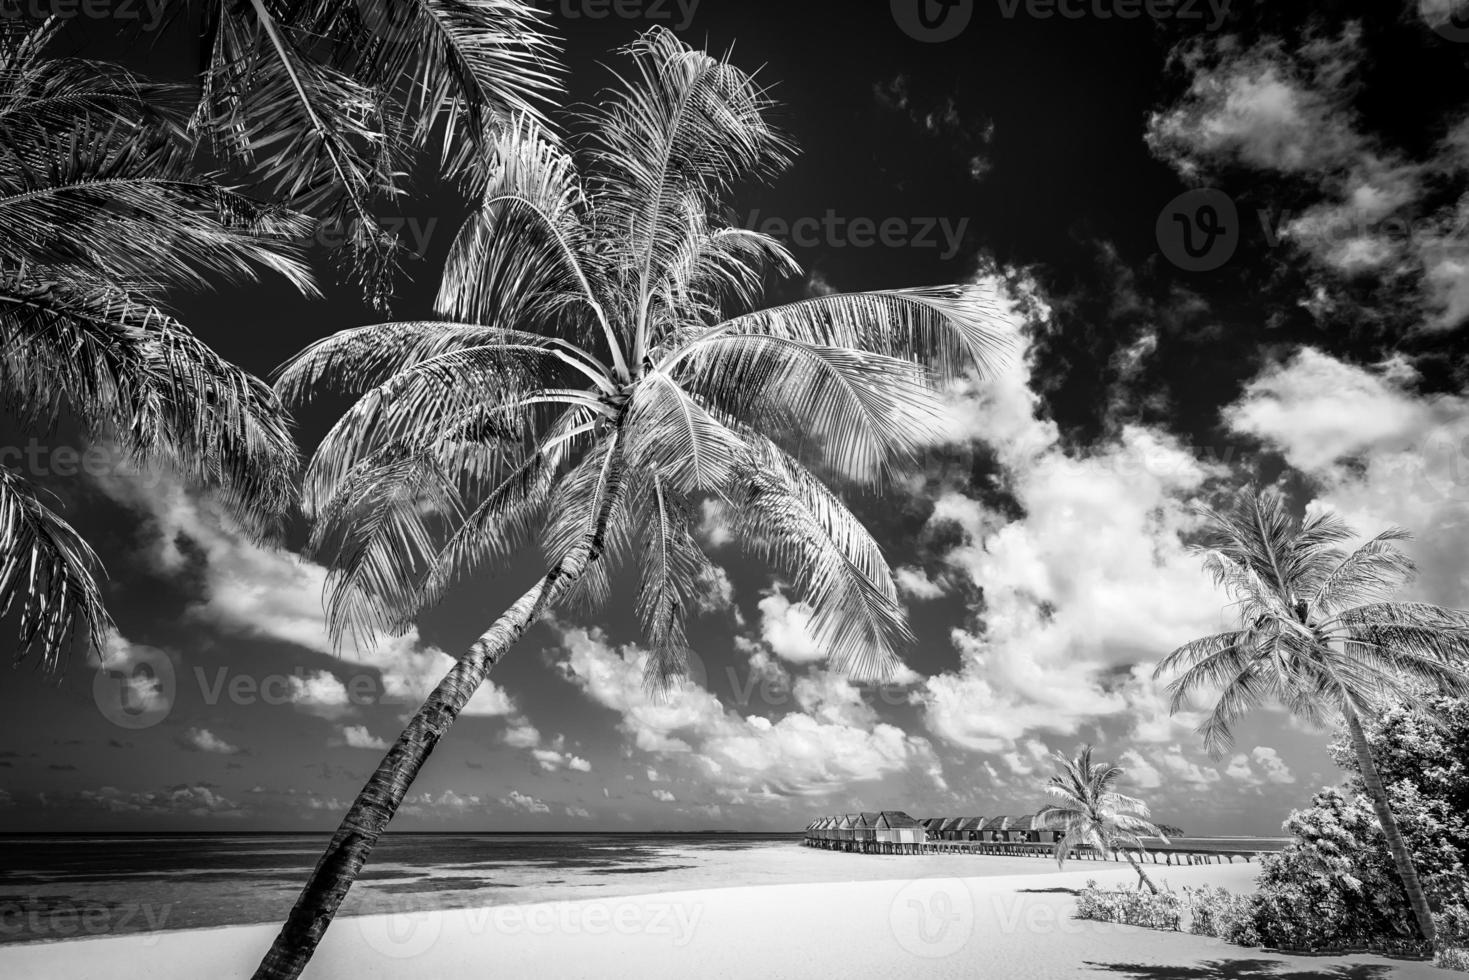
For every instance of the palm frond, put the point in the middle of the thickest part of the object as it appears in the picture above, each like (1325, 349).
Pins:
(47, 577)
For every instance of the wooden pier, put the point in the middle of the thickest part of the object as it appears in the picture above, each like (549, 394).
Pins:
(1159, 855)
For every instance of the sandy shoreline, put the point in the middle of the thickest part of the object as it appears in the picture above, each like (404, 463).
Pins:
(998, 926)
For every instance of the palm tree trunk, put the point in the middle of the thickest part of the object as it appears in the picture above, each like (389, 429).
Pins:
(1400, 855)
(380, 798)
(1140, 872)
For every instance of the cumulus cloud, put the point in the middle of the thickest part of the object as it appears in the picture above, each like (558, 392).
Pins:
(1089, 581)
(527, 804)
(800, 754)
(203, 740)
(358, 737)
(186, 800)
(1377, 453)
(663, 796)
(579, 813)
(259, 591)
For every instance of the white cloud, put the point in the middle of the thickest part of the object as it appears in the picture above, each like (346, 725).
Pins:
(1140, 772)
(259, 591)
(358, 737)
(785, 626)
(735, 755)
(520, 801)
(203, 740)
(579, 813)
(1274, 767)
(663, 796)
(1091, 580)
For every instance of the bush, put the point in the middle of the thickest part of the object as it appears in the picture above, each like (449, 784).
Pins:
(1130, 908)
(1221, 914)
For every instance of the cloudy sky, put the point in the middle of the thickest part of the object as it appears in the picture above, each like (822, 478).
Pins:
(1308, 334)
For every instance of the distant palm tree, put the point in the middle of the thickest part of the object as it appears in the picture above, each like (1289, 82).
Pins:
(1319, 636)
(324, 102)
(100, 211)
(1088, 811)
(595, 390)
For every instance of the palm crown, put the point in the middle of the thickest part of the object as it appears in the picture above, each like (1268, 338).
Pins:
(607, 370)
(1088, 810)
(99, 213)
(1318, 633)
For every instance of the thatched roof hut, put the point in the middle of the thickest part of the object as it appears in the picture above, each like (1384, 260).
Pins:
(866, 825)
(969, 827)
(950, 829)
(846, 828)
(931, 826)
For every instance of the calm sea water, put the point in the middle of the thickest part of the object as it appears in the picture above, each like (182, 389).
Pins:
(69, 887)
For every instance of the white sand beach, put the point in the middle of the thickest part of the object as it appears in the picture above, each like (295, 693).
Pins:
(1011, 925)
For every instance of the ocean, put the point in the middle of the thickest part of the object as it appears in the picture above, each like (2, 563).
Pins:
(76, 886)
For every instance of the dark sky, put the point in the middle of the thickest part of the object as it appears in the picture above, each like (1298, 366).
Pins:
(1043, 548)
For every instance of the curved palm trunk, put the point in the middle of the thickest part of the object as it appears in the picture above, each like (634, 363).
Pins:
(1400, 855)
(380, 798)
(1143, 875)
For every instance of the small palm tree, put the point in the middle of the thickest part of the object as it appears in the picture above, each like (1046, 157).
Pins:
(1089, 811)
(603, 377)
(100, 211)
(1318, 636)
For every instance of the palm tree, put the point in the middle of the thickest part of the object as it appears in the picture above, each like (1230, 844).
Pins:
(605, 371)
(1087, 810)
(99, 213)
(1319, 636)
(323, 102)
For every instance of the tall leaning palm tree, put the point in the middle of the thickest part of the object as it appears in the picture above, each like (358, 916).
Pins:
(101, 212)
(1319, 635)
(1088, 810)
(606, 369)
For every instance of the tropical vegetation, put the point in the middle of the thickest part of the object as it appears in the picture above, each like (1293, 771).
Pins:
(603, 367)
(1087, 810)
(101, 213)
(1319, 635)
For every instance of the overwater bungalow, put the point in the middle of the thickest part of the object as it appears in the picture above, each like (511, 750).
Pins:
(866, 830)
(994, 829)
(1017, 831)
(950, 829)
(931, 826)
(898, 833)
(846, 829)
(970, 827)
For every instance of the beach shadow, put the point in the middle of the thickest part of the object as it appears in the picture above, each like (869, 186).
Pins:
(1048, 891)
(1244, 969)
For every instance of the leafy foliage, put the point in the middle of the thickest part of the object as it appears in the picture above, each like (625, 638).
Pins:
(1087, 809)
(101, 212)
(323, 103)
(1317, 632)
(606, 355)
(1130, 907)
